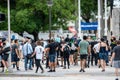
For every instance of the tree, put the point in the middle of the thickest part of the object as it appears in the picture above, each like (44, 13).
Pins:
(32, 15)
(88, 8)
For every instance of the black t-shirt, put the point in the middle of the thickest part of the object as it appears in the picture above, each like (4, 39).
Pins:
(112, 45)
(53, 47)
(92, 45)
(13, 48)
(116, 50)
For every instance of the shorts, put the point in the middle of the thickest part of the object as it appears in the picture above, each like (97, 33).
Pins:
(75, 55)
(72, 52)
(116, 64)
(102, 56)
(83, 56)
(14, 58)
(61, 54)
(98, 56)
(5, 57)
(52, 57)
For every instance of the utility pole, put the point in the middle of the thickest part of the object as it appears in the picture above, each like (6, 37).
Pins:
(79, 19)
(9, 36)
(99, 20)
(106, 28)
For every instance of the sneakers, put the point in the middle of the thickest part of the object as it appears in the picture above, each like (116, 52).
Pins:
(6, 71)
(51, 71)
(82, 70)
(42, 71)
(103, 70)
(116, 79)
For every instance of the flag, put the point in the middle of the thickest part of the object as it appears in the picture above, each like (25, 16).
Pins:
(72, 29)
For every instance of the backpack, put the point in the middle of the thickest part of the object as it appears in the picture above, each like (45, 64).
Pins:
(66, 49)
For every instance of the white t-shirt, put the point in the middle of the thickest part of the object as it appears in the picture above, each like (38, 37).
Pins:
(39, 52)
(96, 47)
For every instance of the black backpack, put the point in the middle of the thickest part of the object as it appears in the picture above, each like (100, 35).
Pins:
(66, 49)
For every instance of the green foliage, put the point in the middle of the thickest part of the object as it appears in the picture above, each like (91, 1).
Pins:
(33, 15)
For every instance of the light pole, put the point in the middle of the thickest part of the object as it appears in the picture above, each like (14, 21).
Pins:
(99, 17)
(9, 35)
(106, 29)
(50, 3)
(79, 19)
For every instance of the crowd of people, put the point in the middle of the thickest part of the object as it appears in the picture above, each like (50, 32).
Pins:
(69, 51)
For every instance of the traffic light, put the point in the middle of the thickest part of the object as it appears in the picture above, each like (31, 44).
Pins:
(2, 17)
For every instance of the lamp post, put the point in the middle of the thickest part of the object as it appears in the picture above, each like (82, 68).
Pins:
(9, 35)
(50, 3)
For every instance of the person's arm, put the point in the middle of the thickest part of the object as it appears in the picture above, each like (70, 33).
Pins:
(94, 49)
(113, 55)
(89, 50)
(17, 51)
(106, 47)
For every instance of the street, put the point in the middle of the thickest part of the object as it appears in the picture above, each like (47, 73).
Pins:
(92, 73)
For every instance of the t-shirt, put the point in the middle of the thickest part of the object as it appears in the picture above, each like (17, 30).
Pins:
(53, 47)
(83, 47)
(13, 48)
(116, 50)
(39, 52)
(112, 45)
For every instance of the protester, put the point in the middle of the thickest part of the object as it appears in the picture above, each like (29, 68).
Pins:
(66, 53)
(116, 58)
(5, 54)
(15, 54)
(84, 49)
(96, 51)
(102, 53)
(38, 56)
(52, 47)
(27, 52)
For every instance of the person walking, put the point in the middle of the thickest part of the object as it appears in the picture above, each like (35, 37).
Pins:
(102, 53)
(51, 48)
(116, 58)
(38, 52)
(66, 53)
(84, 50)
(5, 54)
(15, 54)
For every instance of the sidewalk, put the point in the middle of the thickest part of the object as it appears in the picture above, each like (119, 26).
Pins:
(92, 73)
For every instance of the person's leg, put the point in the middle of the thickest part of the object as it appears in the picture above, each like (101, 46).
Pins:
(36, 69)
(92, 56)
(116, 72)
(64, 62)
(30, 64)
(53, 65)
(25, 62)
(41, 67)
(68, 63)
(96, 60)
(81, 65)
(102, 65)
(50, 63)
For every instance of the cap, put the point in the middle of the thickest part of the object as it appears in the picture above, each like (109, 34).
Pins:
(3, 39)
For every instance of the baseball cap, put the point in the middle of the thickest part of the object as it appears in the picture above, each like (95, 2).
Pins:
(3, 39)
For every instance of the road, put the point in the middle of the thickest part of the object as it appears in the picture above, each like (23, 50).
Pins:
(92, 73)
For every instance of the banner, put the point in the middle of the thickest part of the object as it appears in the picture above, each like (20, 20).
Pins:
(89, 26)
